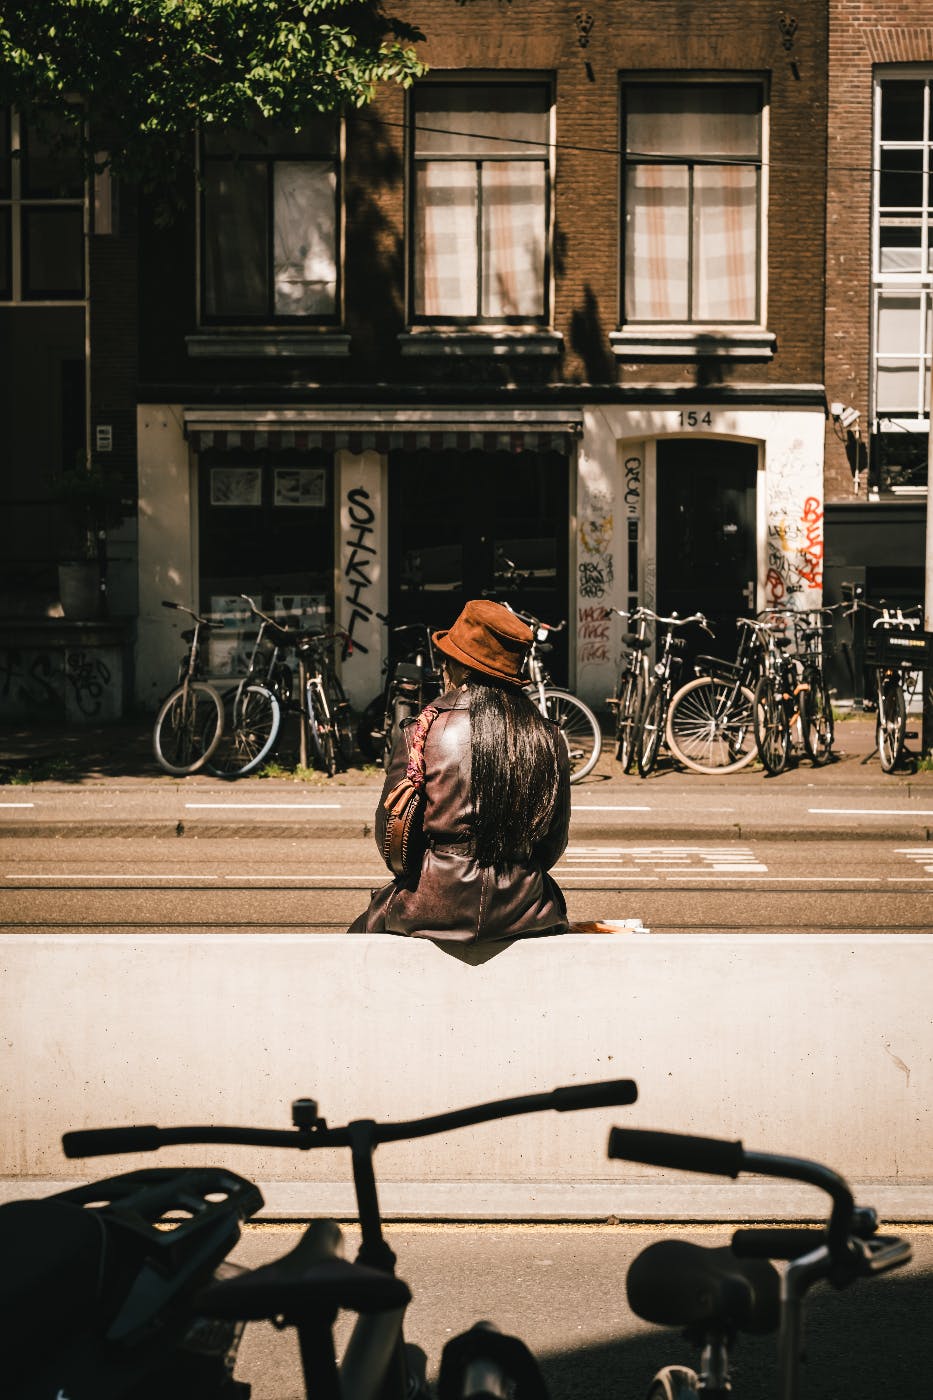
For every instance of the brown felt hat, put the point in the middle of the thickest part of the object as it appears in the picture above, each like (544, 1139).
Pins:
(488, 638)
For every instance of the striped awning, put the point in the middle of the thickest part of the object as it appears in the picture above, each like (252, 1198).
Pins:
(273, 436)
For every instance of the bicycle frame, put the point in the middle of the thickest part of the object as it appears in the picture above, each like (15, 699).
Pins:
(374, 1360)
(844, 1252)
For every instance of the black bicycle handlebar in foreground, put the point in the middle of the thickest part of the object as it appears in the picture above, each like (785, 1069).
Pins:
(362, 1137)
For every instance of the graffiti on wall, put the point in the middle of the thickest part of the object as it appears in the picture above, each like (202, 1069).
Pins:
(83, 684)
(361, 557)
(795, 539)
(592, 635)
(595, 577)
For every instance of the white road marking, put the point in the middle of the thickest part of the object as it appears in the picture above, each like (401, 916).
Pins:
(270, 806)
(579, 807)
(669, 860)
(106, 875)
(922, 855)
(17, 804)
(872, 811)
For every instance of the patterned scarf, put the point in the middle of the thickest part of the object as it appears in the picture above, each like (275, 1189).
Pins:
(416, 737)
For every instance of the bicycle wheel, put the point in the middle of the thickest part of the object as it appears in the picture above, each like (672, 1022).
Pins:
(580, 729)
(674, 1383)
(816, 719)
(401, 709)
(321, 731)
(891, 724)
(343, 721)
(650, 729)
(252, 717)
(710, 728)
(772, 732)
(631, 698)
(187, 729)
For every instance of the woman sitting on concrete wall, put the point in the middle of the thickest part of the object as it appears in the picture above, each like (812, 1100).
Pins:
(496, 784)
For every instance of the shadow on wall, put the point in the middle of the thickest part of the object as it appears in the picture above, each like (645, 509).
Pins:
(712, 362)
(376, 304)
(588, 338)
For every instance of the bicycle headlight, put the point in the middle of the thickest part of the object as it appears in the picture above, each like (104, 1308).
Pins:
(541, 634)
(659, 669)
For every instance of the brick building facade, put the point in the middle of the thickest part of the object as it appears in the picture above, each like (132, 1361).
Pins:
(879, 277)
(561, 308)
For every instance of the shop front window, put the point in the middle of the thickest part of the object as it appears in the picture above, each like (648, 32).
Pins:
(266, 529)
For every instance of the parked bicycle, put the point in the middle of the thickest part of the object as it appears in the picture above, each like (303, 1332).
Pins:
(189, 724)
(253, 709)
(326, 716)
(896, 650)
(578, 725)
(651, 721)
(710, 722)
(717, 1293)
(814, 630)
(777, 693)
(633, 683)
(306, 1287)
(412, 680)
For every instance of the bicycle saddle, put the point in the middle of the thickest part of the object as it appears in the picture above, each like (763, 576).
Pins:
(636, 643)
(310, 1278)
(677, 1284)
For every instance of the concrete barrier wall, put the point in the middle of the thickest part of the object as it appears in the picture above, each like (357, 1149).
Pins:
(815, 1045)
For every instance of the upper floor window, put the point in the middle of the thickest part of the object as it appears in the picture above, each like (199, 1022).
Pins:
(903, 252)
(42, 202)
(692, 197)
(270, 224)
(481, 202)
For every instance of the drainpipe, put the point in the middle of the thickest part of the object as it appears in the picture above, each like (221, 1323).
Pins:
(926, 744)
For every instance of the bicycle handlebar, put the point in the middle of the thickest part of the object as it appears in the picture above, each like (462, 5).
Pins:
(102, 1142)
(720, 1158)
(673, 621)
(180, 607)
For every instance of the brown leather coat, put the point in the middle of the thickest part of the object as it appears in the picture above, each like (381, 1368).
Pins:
(453, 898)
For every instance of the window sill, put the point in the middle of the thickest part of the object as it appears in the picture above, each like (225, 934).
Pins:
(651, 344)
(484, 343)
(260, 345)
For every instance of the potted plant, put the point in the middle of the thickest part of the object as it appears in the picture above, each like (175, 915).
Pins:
(92, 497)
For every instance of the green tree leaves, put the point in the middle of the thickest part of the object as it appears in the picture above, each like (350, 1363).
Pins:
(141, 75)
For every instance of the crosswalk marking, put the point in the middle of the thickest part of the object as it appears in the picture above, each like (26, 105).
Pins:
(921, 855)
(679, 860)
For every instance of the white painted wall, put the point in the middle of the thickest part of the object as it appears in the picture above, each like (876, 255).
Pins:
(820, 1045)
(167, 545)
(617, 481)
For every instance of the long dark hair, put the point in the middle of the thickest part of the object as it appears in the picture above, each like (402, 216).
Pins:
(513, 773)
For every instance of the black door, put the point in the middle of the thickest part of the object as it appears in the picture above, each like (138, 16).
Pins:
(460, 521)
(707, 558)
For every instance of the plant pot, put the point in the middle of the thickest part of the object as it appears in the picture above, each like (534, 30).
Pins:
(79, 589)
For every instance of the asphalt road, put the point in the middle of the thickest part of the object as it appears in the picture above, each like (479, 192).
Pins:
(321, 883)
(561, 1289)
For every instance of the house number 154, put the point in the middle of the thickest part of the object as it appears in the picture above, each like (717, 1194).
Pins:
(693, 419)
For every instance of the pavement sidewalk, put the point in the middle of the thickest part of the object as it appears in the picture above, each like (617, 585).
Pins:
(103, 781)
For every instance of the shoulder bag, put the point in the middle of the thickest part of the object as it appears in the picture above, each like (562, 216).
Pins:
(404, 805)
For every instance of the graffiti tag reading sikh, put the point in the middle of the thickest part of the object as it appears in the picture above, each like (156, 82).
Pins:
(360, 559)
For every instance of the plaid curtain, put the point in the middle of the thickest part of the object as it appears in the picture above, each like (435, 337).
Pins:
(445, 239)
(513, 238)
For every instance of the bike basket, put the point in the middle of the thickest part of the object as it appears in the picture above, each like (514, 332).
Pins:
(894, 646)
(716, 667)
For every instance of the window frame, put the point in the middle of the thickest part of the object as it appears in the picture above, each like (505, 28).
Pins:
(15, 205)
(676, 79)
(268, 320)
(479, 322)
(917, 283)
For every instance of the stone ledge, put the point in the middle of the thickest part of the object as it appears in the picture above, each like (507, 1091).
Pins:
(481, 343)
(262, 345)
(649, 344)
